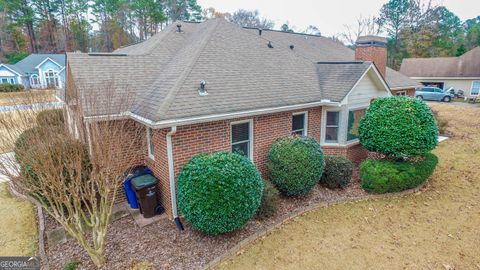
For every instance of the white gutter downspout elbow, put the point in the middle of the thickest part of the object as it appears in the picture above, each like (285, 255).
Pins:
(171, 176)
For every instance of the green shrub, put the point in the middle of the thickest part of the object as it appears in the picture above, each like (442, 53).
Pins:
(6, 87)
(338, 172)
(219, 192)
(295, 165)
(269, 203)
(398, 127)
(71, 265)
(52, 117)
(382, 176)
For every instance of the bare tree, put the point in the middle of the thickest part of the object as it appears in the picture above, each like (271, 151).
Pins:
(312, 30)
(248, 18)
(74, 180)
(363, 27)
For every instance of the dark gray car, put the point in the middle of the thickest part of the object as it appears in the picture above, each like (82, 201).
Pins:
(433, 93)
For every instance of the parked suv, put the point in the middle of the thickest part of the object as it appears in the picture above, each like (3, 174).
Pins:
(433, 93)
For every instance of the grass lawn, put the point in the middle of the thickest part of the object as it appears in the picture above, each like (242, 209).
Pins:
(27, 97)
(18, 229)
(23, 120)
(434, 229)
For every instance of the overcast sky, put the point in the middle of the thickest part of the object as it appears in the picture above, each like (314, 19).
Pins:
(329, 16)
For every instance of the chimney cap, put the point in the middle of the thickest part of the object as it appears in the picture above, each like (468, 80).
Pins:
(371, 41)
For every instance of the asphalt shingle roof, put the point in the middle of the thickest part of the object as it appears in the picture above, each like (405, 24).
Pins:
(28, 64)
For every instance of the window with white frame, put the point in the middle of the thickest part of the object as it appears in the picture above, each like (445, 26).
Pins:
(475, 88)
(401, 93)
(242, 138)
(299, 123)
(354, 117)
(34, 81)
(332, 126)
(4, 80)
(151, 149)
(51, 78)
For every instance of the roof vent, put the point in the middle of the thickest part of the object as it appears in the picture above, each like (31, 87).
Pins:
(201, 90)
(259, 31)
(291, 46)
(270, 45)
(179, 28)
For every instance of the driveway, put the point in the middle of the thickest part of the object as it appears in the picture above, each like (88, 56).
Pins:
(433, 229)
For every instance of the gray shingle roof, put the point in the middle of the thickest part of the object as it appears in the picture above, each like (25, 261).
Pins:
(467, 65)
(28, 64)
(158, 79)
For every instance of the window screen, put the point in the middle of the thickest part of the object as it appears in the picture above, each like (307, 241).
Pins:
(298, 124)
(331, 131)
(241, 138)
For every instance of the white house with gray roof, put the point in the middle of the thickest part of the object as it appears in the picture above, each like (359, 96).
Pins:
(36, 71)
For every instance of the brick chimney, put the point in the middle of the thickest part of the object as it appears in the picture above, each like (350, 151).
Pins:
(374, 49)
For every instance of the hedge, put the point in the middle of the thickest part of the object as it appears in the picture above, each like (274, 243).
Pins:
(338, 172)
(269, 203)
(295, 164)
(6, 87)
(398, 127)
(219, 192)
(382, 176)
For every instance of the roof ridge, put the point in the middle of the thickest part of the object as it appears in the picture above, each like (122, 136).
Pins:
(167, 102)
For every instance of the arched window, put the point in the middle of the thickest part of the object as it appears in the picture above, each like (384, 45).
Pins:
(51, 78)
(34, 81)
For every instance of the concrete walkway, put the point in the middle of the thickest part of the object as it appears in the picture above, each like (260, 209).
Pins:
(9, 164)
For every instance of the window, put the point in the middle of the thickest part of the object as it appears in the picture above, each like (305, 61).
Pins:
(12, 81)
(475, 88)
(331, 130)
(151, 150)
(401, 93)
(4, 80)
(51, 78)
(34, 80)
(299, 124)
(353, 123)
(241, 138)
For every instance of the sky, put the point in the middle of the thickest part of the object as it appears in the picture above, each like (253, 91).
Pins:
(329, 16)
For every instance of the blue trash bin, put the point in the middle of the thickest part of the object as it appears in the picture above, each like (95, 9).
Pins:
(127, 184)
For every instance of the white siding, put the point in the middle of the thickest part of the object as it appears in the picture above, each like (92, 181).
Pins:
(458, 84)
(367, 89)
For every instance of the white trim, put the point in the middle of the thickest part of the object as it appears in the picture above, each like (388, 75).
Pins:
(3, 65)
(400, 92)
(250, 139)
(379, 77)
(471, 88)
(150, 145)
(207, 118)
(324, 126)
(445, 78)
(305, 122)
(39, 83)
(44, 60)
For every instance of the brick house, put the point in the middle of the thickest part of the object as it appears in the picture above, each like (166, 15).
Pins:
(213, 86)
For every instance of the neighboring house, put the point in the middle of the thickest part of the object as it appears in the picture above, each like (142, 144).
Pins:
(36, 71)
(461, 73)
(213, 86)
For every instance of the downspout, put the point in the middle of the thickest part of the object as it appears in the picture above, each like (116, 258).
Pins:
(171, 176)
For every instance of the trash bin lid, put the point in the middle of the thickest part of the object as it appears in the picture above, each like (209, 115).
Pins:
(142, 181)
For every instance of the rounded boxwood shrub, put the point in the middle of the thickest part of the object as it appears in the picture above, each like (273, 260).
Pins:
(269, 203)
(52, 117)
(295, 165)
(338, 172)
(398, 127)
(219, 192)
(382, 176)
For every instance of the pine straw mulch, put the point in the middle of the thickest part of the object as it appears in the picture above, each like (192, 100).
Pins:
(165, 247)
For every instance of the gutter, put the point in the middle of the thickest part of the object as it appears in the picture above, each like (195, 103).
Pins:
(208, 118)
(171, 176)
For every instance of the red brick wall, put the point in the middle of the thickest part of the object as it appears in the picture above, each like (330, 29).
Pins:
(410, 92)
(376, 54)
(355, 152)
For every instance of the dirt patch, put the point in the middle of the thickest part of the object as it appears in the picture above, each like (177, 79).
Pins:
(434, 229)
(18, 226)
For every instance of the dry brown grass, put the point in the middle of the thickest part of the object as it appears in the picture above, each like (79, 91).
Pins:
(18, 230)
(8, 139)
(433, 229)
(27, 97)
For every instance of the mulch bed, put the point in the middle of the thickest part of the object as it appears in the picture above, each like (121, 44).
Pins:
(163, 245)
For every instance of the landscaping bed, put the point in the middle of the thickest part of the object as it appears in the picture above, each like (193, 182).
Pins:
(164, 246)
